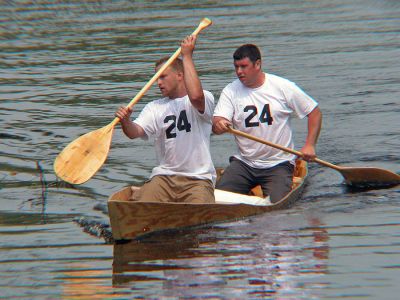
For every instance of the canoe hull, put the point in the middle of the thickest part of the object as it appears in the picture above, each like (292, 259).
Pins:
(130, 219)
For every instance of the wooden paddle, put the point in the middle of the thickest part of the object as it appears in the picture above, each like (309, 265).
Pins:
(356, 176)
(83, 157)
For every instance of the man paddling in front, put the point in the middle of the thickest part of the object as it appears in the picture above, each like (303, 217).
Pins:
(180, 124)
(261, 104)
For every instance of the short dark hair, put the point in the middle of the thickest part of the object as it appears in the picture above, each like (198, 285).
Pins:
(248, 50)
(177, 64)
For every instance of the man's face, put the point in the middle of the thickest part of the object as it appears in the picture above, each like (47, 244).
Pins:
(168, 81)
(247, 71)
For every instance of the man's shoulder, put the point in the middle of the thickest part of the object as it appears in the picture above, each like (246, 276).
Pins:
(208, 95)
(157, 102)
(155, 106)
(234, 85)
(277, 80)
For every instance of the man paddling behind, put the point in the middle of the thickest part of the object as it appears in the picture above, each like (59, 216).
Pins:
(260, 104)
(180, 124)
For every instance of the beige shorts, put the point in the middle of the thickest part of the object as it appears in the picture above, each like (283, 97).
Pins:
(176, 188)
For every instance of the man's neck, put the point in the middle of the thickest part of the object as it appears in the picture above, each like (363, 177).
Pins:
(178, 93)
(259, 80)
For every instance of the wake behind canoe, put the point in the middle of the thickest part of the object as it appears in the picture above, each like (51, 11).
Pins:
(131, 219)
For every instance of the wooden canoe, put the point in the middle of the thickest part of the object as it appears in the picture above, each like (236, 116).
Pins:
(131, 219)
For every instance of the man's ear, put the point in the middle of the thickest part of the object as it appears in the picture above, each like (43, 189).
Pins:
(180, 75)
(258, 63)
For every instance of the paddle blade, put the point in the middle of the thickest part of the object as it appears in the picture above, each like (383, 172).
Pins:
(366, 176)
(83, 157)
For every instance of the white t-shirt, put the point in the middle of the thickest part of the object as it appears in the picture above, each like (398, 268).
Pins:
(181, 136)
(264, 112)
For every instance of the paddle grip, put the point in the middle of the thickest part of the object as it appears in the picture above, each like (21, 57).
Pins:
(203, 24)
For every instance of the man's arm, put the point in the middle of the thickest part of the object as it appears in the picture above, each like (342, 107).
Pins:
(314, 128)
(191, 79)
(131, 129)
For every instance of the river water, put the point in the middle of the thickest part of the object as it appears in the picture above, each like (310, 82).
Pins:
(66, 66)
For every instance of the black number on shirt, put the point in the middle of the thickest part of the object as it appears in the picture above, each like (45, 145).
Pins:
(171, 127)
(183, 124)
(253, 113)
(266, 115)
(264, 118)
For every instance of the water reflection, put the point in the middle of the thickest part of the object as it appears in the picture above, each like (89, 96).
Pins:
(320, 241)
(205, 262)
(83, 281)
(128, 257)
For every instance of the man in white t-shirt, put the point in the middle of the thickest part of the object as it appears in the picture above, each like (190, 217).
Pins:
(180, 124)
(261, 104)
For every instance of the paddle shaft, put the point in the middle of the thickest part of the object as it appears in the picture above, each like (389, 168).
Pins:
(203, 24)
(295, 152)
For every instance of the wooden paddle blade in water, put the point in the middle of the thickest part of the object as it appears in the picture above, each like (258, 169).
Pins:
(357, 176)
(368, 176)
(83, 157)
(364, 176)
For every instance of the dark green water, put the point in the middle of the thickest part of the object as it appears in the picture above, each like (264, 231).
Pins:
(66, 66)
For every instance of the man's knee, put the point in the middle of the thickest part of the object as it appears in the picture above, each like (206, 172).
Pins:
(279, 183)
(234, 179)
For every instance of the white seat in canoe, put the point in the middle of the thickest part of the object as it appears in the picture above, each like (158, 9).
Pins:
(224, 197)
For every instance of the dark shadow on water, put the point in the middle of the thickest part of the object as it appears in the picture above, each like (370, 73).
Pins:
(353, 189)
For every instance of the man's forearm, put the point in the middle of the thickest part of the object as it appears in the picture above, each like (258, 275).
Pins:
(131, 129)
(314, 126)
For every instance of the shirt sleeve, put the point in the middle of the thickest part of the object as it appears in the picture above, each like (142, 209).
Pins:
(298, 100)
(225, 107)
(146, 120)
(209, 105)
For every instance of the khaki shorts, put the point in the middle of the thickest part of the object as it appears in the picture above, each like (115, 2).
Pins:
(176, 188)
